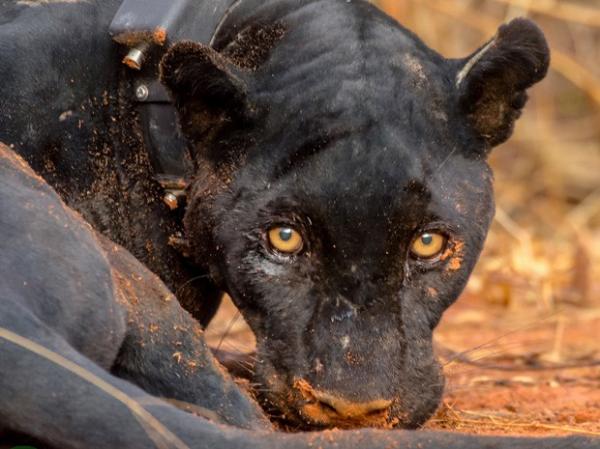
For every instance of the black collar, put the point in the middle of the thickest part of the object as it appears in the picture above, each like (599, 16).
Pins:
(145, 29)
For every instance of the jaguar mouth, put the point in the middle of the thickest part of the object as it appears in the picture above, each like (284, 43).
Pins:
(325, 409)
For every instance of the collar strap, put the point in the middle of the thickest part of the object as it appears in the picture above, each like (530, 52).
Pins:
(145, 29)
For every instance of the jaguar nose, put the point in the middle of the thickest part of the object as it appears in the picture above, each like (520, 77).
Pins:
(330, 410)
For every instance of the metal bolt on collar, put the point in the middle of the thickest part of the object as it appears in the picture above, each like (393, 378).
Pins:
(135, 57)
(170, 200)
(142, 92)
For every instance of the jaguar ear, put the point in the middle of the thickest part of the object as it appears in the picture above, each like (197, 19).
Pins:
(492, 82)
(207, 92)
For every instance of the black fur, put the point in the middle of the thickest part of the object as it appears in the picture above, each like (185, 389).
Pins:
(323, 115)
(214, 97)
(76, 310)
(68, 108)
(360, 139)
(493, 93)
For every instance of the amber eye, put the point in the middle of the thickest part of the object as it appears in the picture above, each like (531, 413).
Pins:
(285, 239)
(428, 245)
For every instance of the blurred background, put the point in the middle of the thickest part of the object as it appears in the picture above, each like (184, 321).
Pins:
(521, 348)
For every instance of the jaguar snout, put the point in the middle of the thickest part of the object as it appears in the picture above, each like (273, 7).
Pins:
(331, 410)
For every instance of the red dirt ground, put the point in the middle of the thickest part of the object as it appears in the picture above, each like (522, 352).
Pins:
(505, 369)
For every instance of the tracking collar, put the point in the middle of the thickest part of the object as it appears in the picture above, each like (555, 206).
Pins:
(146, 29)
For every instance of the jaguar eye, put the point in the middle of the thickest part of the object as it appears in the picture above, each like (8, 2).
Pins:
(285, 239)
(428, 245)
